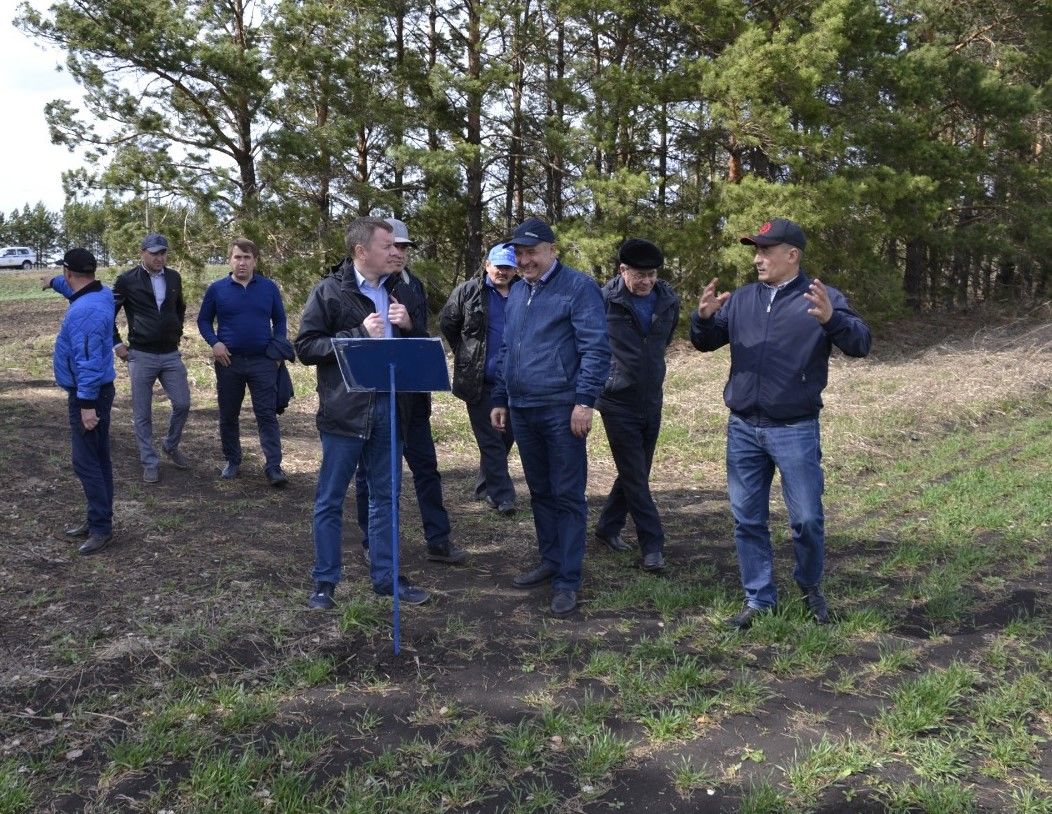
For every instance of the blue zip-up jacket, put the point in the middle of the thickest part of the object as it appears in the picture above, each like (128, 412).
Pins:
(779, 354)
(555, 348)
(83, 359)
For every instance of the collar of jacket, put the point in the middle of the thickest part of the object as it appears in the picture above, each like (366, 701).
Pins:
(94, 285)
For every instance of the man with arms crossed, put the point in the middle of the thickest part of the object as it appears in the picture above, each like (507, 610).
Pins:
(781, 331)
(553, 363)
(364, 297)
(251, 314)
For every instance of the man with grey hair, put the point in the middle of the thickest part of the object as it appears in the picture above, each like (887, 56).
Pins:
(365, 296)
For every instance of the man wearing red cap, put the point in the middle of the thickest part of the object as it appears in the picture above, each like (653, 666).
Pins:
(781, 330)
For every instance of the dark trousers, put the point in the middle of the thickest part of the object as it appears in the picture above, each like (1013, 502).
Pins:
(555, 463)
(633, 436)
(260, 374)
(493, 478)
(419, 451)
(91, 460)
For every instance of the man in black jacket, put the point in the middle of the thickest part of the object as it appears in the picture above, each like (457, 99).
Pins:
(641, 317)
(363, 297)
(151, 295)
(472, 321)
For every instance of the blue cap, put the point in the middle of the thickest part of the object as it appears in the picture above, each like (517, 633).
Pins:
(502, 255)
(530, 233)
(154, 243)
(779, 230)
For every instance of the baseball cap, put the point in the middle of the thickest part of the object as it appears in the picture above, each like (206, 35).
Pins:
(640, 254)
(401, 232)
(154, 242)
(79, 261)
(530, 233)
(502, 255)
(777, 231)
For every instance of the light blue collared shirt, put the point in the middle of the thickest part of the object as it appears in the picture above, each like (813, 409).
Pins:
(378, 294)
(160, 289)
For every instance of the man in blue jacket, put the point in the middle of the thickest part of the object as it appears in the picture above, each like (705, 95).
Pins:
(641, 317)
(83, 363)
(781, 331)
(553, 364)
(251, 313)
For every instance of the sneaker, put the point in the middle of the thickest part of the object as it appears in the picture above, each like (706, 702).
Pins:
(151, 474)
(816, 603)
(176, 457)
(277, 478)
(408, 593)
(564, 603)
(450, 555)
(744, 619)
(230, 471)
(322, 599)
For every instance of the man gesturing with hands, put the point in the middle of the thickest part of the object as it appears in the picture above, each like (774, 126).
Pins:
(781, 330)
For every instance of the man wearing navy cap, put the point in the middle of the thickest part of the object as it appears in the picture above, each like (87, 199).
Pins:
(552, 367)
(472, 321)
(781, 331)
(641, 317)
(83, 364)
(151, 295)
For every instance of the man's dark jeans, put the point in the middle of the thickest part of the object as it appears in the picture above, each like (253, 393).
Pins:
(260, 374)
(493, 478)
(91, 460)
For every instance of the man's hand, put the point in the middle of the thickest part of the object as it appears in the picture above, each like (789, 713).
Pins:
(498, 417)
(398, 315)
(122, 352)
(45, 282)
(221, 354)
(374, 325)
(821, 307)
(710, 301)
(89, 418)
(581, 420)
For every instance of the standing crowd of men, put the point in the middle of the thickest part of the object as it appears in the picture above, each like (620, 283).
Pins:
(537, 348)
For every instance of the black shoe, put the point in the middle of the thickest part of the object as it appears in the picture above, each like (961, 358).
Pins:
(151, 474)
(564, 603)
(489, 501)
(450, 555)
(95, 543)
(277, 478)
(538, 576)
(322, 599)
(507, 509)
(654, 561)
(79, 530)
(176, 457)
(816, 603)
(230, 471)
(613, 542)
(744, 620)
(408, 593)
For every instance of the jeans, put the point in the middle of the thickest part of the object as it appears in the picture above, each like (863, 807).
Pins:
(752, 455)
(419, 450)
(144, 369)
(633, 436)
(260, 374)
(493, 478)
(91, 460)
(340, 455)
(555, 463)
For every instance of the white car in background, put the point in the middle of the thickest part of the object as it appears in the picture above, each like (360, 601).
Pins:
(17, 257)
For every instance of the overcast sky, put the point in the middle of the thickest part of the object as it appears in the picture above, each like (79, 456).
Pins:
(31, 165)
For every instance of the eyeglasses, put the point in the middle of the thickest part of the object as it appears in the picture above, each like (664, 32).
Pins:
(641, 274)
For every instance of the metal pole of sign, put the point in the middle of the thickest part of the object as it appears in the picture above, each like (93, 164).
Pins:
(396, 466)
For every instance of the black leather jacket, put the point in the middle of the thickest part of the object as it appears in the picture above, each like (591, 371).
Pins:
(150, 329)
(336, 307)
(637, 366)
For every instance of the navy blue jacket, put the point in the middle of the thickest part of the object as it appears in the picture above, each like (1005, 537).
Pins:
(780, 355)
(83, 359)
(637, 371)
(555, 349)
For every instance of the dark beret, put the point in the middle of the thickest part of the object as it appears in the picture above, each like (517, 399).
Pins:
(640, 254)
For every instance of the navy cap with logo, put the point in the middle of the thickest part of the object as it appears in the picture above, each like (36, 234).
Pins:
(154, 243)
(79, 261)
(640, 254)
(777, 231)
(530, 233)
